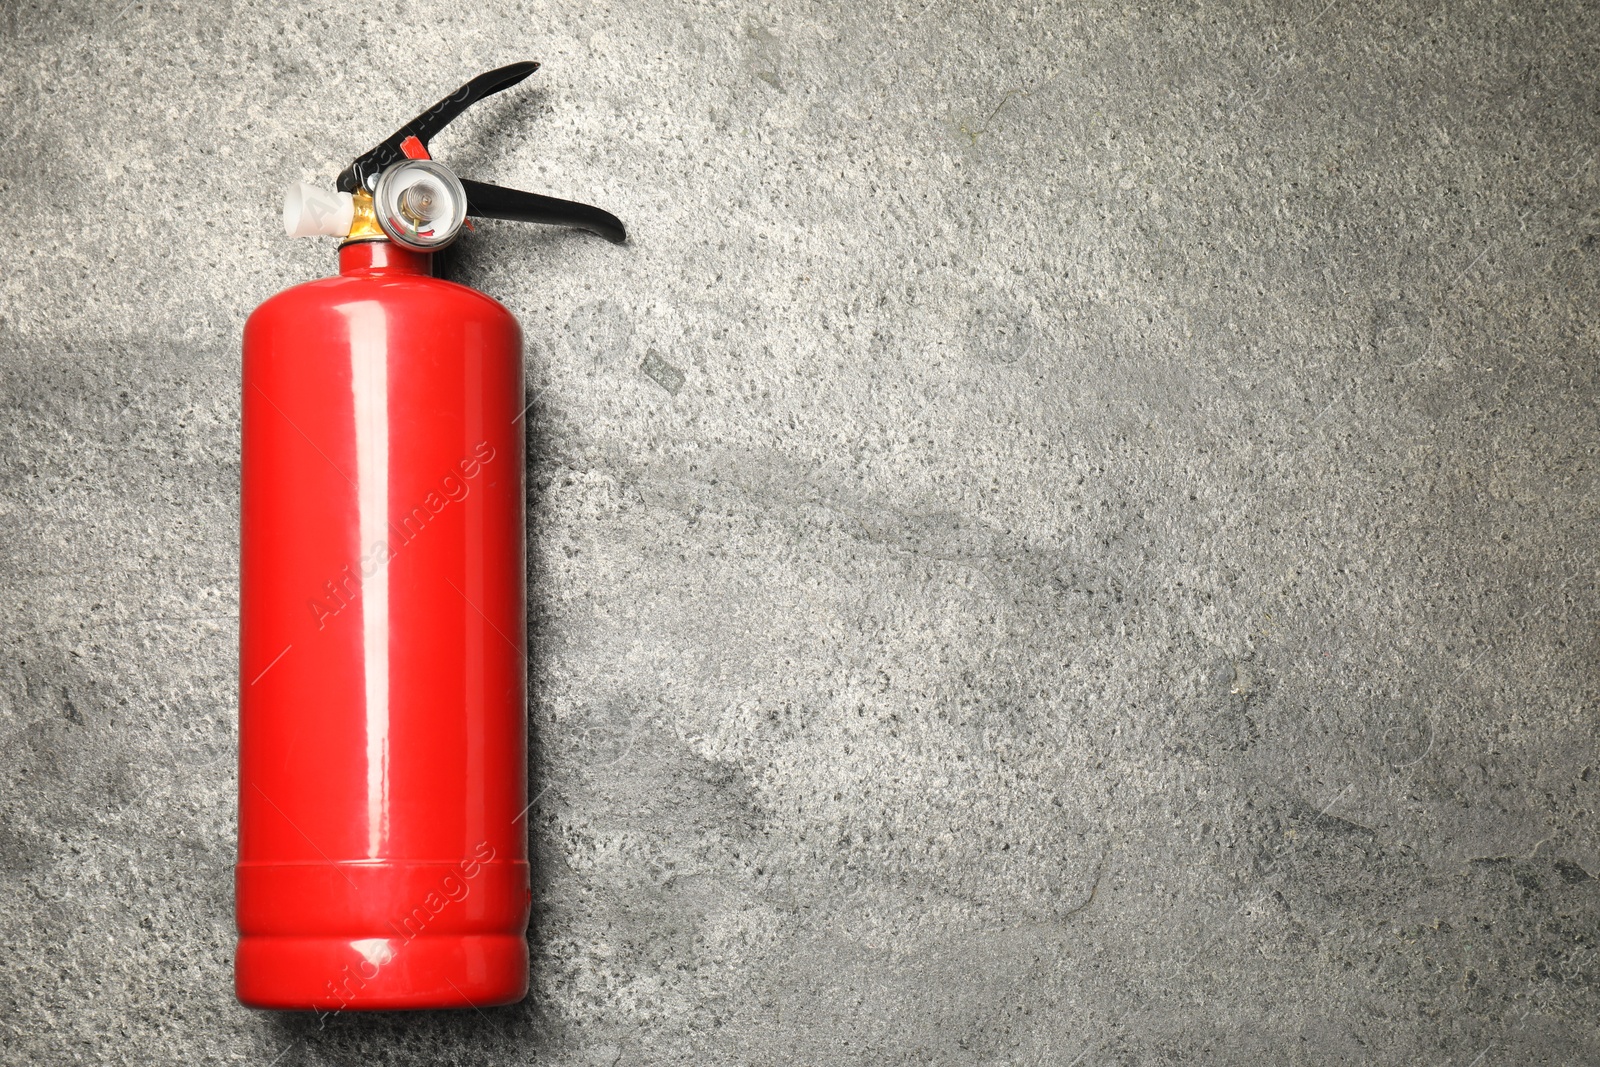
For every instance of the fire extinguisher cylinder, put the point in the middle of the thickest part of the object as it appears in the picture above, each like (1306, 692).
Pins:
(383, 809)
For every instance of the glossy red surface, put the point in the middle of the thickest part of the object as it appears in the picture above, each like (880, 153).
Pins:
(382, 774)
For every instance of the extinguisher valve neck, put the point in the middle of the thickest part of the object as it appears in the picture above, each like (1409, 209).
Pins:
(364, 221)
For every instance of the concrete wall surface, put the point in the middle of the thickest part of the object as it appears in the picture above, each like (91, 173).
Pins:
(1067, 537)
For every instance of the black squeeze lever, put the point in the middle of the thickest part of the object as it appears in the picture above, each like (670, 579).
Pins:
(483, 201)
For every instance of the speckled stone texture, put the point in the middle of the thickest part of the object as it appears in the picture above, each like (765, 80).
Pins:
(1067, 537)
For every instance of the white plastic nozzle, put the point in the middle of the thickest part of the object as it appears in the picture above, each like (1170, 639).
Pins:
(309, 211)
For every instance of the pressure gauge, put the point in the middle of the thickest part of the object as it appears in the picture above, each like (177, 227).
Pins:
(420, 204)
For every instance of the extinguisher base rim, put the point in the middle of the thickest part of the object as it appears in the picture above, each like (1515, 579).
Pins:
(333, 974)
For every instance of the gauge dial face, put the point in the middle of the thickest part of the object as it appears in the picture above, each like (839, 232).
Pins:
(420, 204)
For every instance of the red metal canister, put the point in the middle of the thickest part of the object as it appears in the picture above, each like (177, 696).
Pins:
(382, 850)
(383, 733)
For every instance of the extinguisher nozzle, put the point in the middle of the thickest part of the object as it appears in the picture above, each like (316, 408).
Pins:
(310, 212)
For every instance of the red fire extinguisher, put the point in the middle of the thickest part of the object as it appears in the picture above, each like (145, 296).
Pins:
(382, 743)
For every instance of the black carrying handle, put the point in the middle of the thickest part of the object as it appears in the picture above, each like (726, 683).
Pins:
(483, 201)
(514, 205)
(363, 173)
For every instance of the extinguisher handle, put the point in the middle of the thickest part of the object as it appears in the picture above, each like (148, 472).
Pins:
(363, 173)
(493, 202)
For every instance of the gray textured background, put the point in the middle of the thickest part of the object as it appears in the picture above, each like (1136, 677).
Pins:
(1067, 537)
